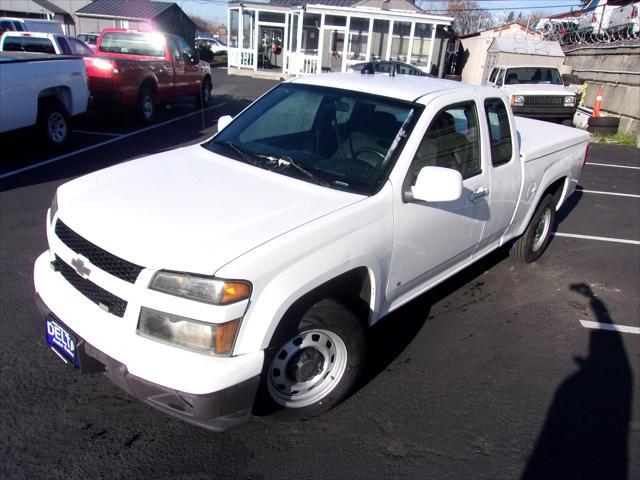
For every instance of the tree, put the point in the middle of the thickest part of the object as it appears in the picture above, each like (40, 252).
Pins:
(468, 16)
(510, 17)
(205, 24)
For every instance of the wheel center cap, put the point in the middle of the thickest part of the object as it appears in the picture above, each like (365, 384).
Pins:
(305, 365)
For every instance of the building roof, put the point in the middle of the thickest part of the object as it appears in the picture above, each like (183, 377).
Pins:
(126, 9)
(402, 87)
(526, 46)
(298, 3)
(52, 7)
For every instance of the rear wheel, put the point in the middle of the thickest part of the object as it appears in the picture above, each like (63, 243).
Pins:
(53, 123)
(313, 362)
(532, 244)
(146, 106)
(205, 93)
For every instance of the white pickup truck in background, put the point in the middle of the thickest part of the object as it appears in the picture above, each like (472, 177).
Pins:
(243, 273)
(536, 91)
(42, 90)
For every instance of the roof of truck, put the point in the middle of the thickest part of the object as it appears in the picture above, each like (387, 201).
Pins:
(402, 87)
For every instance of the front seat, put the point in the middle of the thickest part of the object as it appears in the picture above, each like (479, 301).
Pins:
(374, 133)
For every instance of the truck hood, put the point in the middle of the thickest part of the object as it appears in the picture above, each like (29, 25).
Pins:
(190, 209)
(538, 89)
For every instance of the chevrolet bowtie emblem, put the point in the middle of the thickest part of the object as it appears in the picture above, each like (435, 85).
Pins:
(79, 266)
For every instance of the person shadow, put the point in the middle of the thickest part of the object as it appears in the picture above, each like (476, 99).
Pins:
(585, 435)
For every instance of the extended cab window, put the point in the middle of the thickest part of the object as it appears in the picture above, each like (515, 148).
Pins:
(451, 141)
(499, 131)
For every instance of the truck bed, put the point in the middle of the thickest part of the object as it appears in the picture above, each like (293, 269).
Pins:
(539, 143)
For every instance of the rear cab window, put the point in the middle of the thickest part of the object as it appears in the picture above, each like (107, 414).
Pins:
(128, 43)
(28, 44)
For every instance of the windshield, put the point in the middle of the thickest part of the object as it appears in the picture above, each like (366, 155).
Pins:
(147, 44)
(533, 75)
(340, 139)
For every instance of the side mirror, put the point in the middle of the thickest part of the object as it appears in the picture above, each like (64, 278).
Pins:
(437, 184)
(223, 121)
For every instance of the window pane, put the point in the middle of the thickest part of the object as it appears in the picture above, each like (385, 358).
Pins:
(335, 20)
(499, 131)
(233, 28)
(272, 17)
(147, 44)
(380, 40)
(421, 44)
(358, 35)
(451, 141)
(247, 30)
(400, 42)
(28, 44)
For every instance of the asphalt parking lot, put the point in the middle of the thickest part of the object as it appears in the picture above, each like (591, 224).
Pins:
(497, 374)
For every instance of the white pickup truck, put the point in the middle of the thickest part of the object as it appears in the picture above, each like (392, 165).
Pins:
(42, 90)
(535, 91)
(244, 271)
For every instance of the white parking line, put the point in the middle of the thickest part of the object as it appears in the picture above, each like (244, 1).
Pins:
(609, 193)
(88, 132)
(600, 239)
(610, 326)
(106, 142)
(609, 165)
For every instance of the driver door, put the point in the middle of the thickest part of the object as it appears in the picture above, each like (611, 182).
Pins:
(433, 238)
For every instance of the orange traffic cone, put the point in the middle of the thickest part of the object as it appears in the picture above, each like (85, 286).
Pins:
(598, 105)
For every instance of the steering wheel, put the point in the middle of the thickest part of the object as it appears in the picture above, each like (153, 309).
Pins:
(369, 150)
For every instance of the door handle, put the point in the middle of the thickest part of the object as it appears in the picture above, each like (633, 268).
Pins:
(478, 193)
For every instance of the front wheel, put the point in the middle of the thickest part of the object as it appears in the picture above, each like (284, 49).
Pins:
(313, 362)
(532, 244)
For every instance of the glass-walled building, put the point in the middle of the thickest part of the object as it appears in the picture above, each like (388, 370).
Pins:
(331, 35)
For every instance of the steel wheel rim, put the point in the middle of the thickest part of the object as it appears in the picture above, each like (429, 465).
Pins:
(542, 229)
(57, 126)
(147, 106)
(297, 393)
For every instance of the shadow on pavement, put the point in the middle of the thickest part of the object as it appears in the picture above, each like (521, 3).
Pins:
(141, 144)
(585, 435)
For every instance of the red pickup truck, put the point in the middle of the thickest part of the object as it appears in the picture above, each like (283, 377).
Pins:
(139, 69)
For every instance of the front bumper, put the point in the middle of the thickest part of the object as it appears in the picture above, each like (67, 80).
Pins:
(217, 411)
(544, 112)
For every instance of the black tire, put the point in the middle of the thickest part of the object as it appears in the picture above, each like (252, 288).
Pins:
(532, 244)
(603, 122)
(286, 362)
(146, 106)
(53, 124)
(204, 98)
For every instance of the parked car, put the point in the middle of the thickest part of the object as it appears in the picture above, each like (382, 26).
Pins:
(242, 272)
(38, 42)
(217, 46)
(535, 91)
(42, 90)
(10, 24)
(387, 65)
(139, 69)
(90, 39)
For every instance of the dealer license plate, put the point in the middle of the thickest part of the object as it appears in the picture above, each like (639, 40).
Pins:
(62, 342)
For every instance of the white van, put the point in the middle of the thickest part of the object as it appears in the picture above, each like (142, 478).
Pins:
(30, 25)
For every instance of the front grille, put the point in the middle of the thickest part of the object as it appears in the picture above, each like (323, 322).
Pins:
(543, 101)
(102, 259)
(93, 292)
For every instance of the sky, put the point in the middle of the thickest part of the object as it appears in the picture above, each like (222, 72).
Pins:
(217, 10)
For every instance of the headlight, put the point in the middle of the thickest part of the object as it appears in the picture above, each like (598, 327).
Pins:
(517, 100)
(569, 101)
(54, 207)
(201, 289)
(211, 338)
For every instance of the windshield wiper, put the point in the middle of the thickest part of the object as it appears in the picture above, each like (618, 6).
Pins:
(286, 162)
(248, 157)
